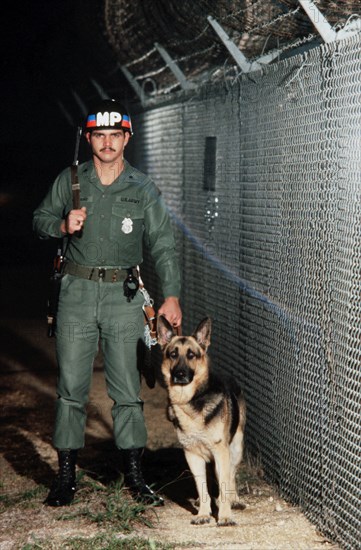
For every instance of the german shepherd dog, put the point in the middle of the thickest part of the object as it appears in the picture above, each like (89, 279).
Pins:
(208, 415)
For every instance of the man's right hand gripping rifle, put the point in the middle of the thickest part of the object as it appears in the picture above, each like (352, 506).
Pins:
(74, 221)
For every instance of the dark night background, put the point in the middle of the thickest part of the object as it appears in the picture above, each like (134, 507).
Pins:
(50, 52)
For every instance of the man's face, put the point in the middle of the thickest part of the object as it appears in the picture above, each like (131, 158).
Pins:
(108, 145)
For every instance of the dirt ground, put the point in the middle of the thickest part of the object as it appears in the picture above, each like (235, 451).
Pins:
(28, 462)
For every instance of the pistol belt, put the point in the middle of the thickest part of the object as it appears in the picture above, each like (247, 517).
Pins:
(99, 273)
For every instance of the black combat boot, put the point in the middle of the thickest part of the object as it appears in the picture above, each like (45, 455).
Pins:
(63, 488)
(133, 478)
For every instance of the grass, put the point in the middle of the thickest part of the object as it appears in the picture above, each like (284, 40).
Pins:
(25, 499)
(108, 507)
(110, 541)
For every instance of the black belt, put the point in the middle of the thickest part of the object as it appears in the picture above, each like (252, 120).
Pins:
(105, 274)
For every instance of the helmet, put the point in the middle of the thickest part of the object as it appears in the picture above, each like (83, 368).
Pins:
(108, 114)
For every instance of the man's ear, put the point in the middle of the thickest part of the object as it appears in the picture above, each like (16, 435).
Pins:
(126, 138)
(87, 136)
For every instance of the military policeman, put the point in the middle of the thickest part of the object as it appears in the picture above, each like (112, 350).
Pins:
(121, 208)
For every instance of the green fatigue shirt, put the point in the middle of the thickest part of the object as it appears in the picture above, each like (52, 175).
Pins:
(120, 218)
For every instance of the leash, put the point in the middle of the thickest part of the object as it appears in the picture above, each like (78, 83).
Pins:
(150, 319)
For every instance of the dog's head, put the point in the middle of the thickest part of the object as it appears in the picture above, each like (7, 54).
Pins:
(184, 357)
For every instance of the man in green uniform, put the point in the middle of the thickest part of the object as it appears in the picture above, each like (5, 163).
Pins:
(121, 209)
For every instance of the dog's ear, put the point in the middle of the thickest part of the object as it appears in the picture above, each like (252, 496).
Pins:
(203, 333)
(165, 331)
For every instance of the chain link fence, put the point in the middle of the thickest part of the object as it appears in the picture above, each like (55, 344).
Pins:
(270, 248)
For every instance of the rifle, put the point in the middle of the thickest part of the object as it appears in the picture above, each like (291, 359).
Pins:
(59, 260)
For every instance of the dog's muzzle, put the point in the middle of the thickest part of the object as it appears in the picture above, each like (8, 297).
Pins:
(182, 375)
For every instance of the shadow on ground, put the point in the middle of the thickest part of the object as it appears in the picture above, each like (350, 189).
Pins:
(27, 390)
(165, 470)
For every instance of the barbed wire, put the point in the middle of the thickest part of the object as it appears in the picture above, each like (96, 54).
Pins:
(156, 72)
(249, 8)
(150, 74)
(183, 42)
(277, 19)
(257, 29)
(169, 89)
(140, 59)
(293, 45)
(195, 54)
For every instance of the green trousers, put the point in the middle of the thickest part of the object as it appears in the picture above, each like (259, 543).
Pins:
(90, 311)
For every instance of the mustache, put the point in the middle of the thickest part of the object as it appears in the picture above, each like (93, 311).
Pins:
(107, 149)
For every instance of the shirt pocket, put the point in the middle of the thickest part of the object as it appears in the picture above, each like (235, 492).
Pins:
(127, 223)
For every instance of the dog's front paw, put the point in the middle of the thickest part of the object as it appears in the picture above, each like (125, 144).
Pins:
(226, 522)
(201, 520)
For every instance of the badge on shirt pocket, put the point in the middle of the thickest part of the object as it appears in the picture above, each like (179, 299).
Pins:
(127, 225)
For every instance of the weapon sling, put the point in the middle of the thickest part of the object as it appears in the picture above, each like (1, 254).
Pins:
(75, 186)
